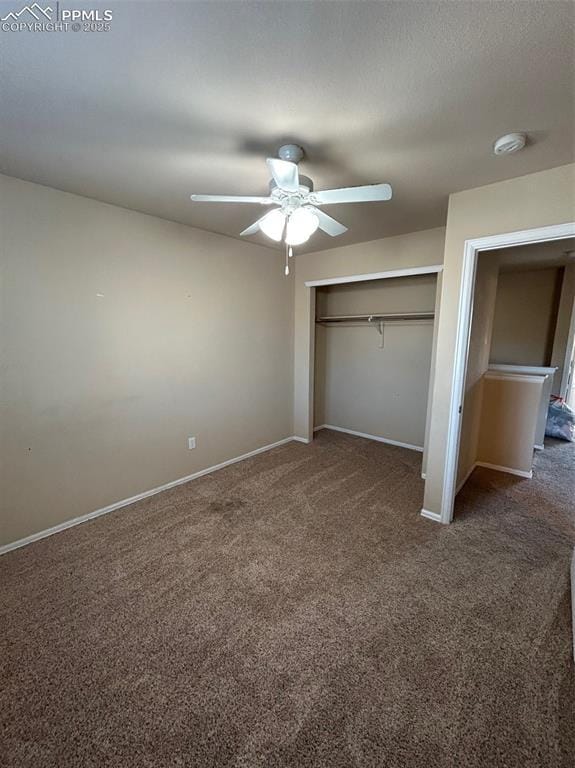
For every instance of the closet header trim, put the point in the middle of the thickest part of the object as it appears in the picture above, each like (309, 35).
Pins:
(390, 273)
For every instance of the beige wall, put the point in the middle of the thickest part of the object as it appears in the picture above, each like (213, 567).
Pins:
(413, 293)
(192, 336)
(416, 249)
(486, 281)
(358, 384)
(510, 405)
(525, 315)
(536, 200)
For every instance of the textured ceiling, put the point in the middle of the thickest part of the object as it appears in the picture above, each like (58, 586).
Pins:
(557, 253)
(191, 97)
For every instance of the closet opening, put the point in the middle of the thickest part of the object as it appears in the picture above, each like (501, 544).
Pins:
(374, 346)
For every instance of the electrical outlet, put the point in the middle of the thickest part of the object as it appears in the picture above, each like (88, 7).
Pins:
(191, 443)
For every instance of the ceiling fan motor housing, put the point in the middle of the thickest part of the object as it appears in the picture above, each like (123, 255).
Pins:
(305, 185)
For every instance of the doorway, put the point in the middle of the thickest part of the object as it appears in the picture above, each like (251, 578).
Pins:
(471, 362)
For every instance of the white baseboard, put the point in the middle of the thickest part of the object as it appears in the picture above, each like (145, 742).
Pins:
(539, 447)
(138, 497)
(509, 470)
(430, 515)
(301, 439)
(370, 437)
(520, 473)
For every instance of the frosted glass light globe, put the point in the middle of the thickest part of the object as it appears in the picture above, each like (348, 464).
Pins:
(273, 224)
(300, 226)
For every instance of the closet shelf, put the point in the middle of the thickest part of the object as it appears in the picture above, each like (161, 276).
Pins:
(376, 317)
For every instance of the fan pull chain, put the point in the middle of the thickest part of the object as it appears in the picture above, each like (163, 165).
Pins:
(286, 270)
(290, 252)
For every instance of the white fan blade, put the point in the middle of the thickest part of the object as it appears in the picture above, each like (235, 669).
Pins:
(231, 199)
(285, 174)
(276, 231)
(366, 194)
(326, 223)
(251, 230)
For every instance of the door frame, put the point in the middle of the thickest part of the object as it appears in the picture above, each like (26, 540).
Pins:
(471, 250)
(566, 388)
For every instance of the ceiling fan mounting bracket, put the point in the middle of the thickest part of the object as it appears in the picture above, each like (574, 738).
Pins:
(290, 152)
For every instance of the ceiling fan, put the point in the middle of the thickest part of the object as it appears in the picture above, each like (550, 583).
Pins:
(297, 216)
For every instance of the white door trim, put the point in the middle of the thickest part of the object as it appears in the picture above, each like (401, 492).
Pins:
(465, 308)
(569, 360)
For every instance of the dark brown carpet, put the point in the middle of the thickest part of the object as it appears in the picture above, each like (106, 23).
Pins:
(295, 610)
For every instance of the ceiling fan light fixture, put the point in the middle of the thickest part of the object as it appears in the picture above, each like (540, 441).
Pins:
(299, 213)
(273, 224)
(301, 225)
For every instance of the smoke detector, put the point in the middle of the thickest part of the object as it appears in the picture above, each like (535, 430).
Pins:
(511, 142)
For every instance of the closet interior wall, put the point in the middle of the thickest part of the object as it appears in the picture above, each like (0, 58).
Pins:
(362, 385)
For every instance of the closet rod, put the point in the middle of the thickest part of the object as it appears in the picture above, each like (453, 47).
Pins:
(376, 317)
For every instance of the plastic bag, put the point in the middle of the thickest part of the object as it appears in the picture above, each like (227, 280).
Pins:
(560, 420)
